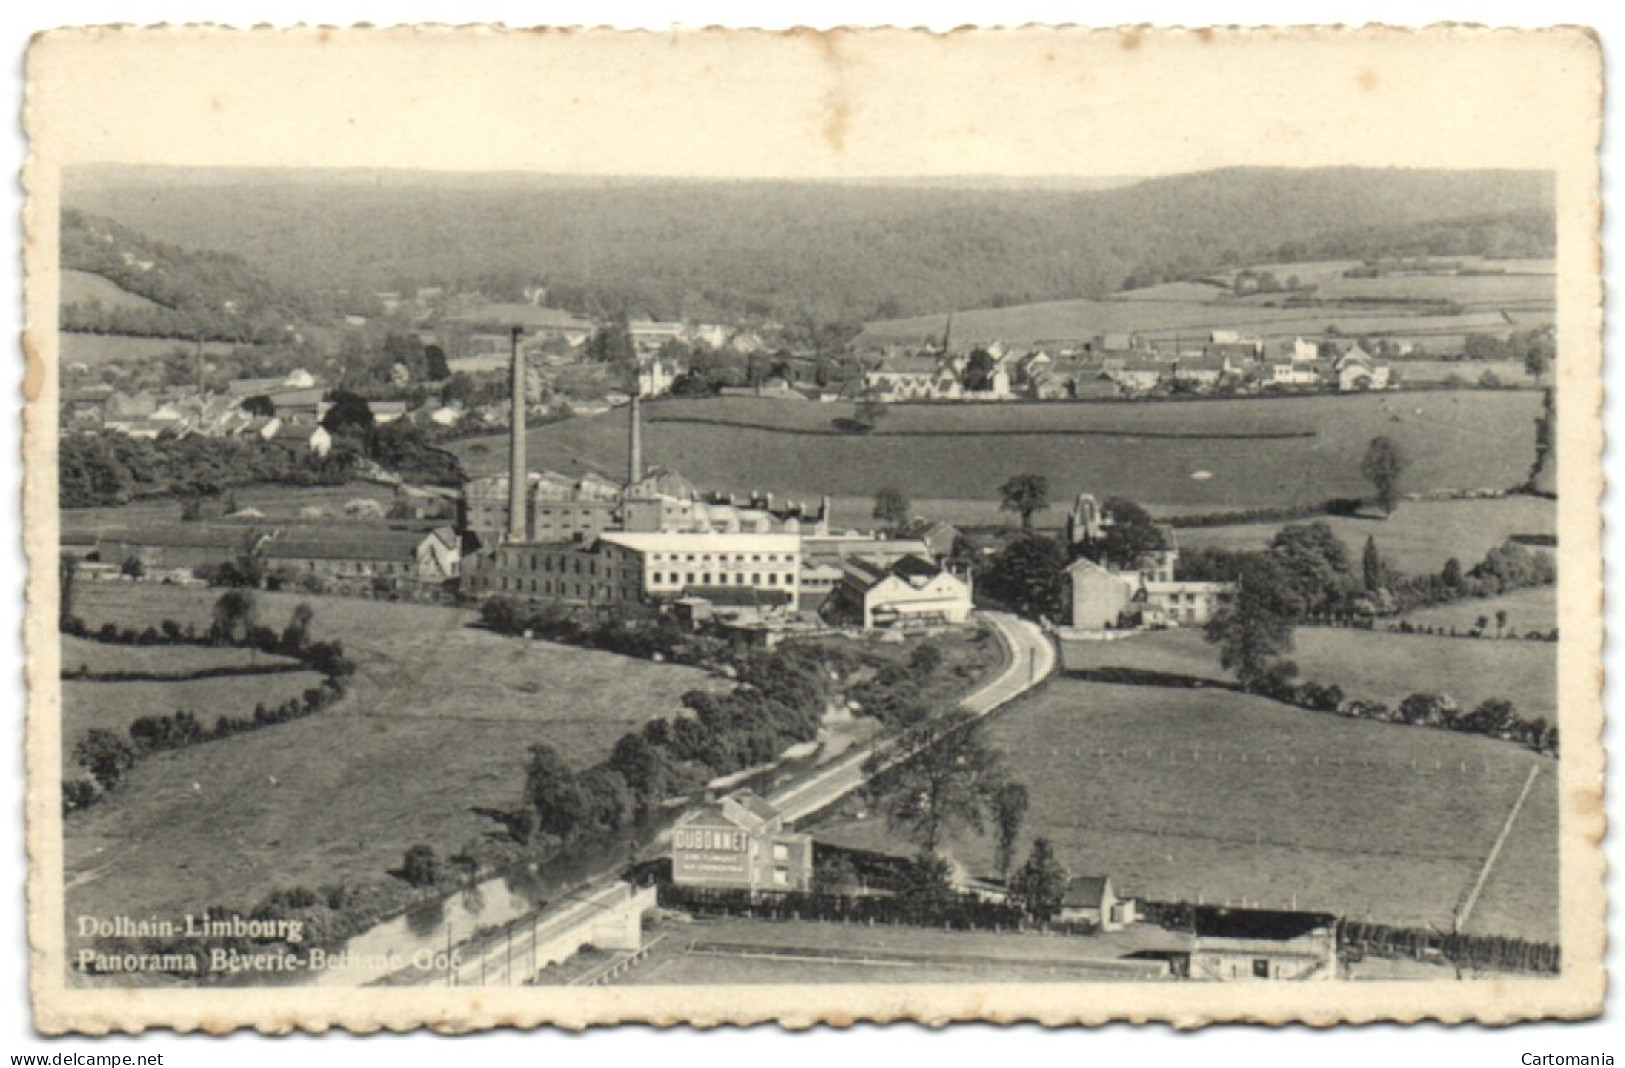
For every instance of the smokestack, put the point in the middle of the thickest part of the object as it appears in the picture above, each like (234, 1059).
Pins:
(635, 463)
(518, 477)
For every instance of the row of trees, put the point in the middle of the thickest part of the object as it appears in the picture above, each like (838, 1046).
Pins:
(1306, 574)
(108, 469)
(107, 757)
(779, 701)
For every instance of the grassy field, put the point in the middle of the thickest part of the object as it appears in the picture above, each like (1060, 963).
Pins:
(97, 657)
(1526, 610)
(1419, 537)
(1218, 796)
(1150, 451)
(115, 705)
(1369, 665)
(82, 287)
(1168, 320)
(275, 500)
(436, 726)
(95, 349)
(1191, 308)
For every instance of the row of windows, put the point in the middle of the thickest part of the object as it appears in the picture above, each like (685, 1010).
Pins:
(361, 567)
(704, 578)
(579, 591)
(723, 559)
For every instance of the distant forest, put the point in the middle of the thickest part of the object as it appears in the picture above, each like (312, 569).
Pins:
(799, 251)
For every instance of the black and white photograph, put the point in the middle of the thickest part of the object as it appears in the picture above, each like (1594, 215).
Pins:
(1041, 524)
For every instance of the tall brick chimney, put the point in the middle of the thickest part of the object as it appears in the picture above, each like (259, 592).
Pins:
(635, 462)
(518, 477)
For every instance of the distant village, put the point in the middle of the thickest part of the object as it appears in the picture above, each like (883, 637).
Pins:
(759, 562)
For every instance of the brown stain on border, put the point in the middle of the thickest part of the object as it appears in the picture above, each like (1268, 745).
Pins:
(34, 376)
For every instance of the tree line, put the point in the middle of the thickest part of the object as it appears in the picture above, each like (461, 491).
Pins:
(107, 757)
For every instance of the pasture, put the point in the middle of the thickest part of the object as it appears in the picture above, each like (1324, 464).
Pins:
(86, 287)
(97, 657)
(276, 501)
(88, 705)
(93, 350)
(1218, 796)
(1170, 310)
(435, 727)
(1193, 456)
(1534, 609)
(1372, 665)
(1419, 537)
(1168, 320)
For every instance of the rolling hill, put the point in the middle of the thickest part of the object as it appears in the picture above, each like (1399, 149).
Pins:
(794, 250)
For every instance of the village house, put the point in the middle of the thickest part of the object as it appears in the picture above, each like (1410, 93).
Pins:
(1201, 372)
(1261, 944)
(1100, 597)
(300, 405)
(1149, 595)
(1292, 373)
(655, 377)
(739, 843)
(1358, 370)
(939, 539)
(1134, 374)
(1093, 900)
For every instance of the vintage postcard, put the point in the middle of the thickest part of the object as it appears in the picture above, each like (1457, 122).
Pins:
(575, 527)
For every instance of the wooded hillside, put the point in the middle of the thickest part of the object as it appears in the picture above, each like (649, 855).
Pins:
(798, 250)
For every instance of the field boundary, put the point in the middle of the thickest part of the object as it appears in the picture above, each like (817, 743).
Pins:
(184, 676)
(1158, 435)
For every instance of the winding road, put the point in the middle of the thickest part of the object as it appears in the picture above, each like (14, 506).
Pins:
(1032, 659)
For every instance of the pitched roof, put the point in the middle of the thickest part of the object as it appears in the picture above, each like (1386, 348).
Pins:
(182, 536)
(1085, 892)
(347, 542)
(913, 365)
(753, 804)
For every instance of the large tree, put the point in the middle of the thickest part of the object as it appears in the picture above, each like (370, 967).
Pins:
(944, 781)
(1313, 568)
(551, 789)
(891, 507)
(1371, 566)
(1010, 803)
(1254, 629)
(235, 613)
(1041, 882)
(870, 410)
(979, 370)
(1025, 495)
(1129, 531)
(1027, 576)
(351, 415)
(1384, 465)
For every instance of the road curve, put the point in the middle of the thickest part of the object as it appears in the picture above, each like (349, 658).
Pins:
(1032, 659)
